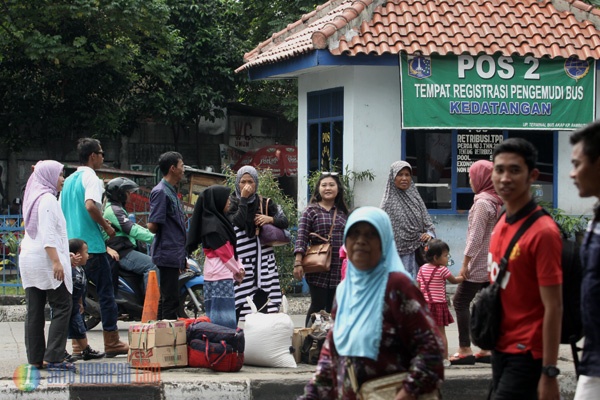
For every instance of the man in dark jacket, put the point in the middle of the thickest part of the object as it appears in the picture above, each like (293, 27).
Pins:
(585, 158)
(167, 221)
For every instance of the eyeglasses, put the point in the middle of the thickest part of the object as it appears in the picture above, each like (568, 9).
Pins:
(329, 173)
(99, 152)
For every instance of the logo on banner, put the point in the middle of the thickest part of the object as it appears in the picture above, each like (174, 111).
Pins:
(576, 68)
(419, 67)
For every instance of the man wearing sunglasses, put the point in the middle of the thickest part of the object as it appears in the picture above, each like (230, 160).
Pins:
(81, 202)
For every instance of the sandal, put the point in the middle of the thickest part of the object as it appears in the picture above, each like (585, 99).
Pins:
(60, 366)
(461, 359)
(483, 358)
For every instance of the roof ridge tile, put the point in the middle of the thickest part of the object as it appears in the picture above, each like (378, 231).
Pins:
(541, 28)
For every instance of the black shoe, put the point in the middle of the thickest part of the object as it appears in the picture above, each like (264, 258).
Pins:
(90, 354)
(70, 358)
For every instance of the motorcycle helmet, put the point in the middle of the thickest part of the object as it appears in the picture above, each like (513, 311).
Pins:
(116, 189)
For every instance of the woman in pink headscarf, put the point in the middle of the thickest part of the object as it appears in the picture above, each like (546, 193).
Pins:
(45, 267)
(482, 218)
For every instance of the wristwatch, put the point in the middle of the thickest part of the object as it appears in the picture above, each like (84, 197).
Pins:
(550, 371)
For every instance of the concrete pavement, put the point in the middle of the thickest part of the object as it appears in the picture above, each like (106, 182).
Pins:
(112, 379)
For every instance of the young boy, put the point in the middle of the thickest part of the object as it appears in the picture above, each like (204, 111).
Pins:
(77, 329)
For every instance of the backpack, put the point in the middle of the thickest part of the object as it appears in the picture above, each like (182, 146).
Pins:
(572, 327)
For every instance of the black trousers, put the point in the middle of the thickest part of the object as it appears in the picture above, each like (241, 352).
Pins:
(320, 299)
(465, 293)
(169, 292)
(515, 376)
(35, 341)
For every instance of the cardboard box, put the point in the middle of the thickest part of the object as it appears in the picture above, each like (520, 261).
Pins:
(298, 339)
(158, 344)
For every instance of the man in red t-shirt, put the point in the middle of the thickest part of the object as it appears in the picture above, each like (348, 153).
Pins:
(524, 361)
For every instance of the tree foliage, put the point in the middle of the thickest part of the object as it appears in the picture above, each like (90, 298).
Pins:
(71, 67)
(95, 67)
(203, 78)
(262, 18)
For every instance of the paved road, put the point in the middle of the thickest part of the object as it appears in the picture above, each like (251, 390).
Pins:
(112, 379)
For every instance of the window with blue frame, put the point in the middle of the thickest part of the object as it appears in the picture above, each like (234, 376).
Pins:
(441, 159)
(325, 130)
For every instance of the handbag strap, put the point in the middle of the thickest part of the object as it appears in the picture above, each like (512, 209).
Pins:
(504, 262)
(328, 238)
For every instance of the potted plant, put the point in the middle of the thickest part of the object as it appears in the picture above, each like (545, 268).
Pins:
(570, 225)
(10, 242)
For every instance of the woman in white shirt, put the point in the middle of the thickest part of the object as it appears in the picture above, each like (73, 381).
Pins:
(45, 267)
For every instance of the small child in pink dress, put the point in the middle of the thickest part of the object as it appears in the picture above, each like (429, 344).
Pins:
(431, 279)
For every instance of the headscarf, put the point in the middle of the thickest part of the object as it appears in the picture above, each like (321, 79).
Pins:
(43, 179)
(209, 225)
(480, 174)
(360, 297)
(407, 211)
(252, 204)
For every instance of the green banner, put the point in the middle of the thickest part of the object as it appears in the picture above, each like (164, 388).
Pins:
(492, 92)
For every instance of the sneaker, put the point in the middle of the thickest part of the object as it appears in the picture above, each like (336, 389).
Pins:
(70, 358)
(447, 363)
(60, 366)
(91, 354)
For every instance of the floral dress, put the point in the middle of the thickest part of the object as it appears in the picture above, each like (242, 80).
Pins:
(410, 343)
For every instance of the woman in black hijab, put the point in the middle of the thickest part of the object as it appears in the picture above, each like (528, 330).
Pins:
(210, 226)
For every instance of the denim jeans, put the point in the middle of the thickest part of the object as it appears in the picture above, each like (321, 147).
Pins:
(515, 376)
(98, 271)
(77, 328)
(139, 263)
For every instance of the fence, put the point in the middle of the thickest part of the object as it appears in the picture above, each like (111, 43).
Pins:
(11, 232)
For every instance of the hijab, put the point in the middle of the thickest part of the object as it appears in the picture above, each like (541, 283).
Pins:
(209, 225)
(43, 180)
(480, 174)
(361, 296)
(406, 210)
(253, 202)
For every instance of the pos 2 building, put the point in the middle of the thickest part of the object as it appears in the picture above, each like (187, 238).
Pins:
(439, 84)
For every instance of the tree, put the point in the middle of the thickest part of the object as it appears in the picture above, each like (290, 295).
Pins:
(69, 68)
(262, 18)
(203, 78)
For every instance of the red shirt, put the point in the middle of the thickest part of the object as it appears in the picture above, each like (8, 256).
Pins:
(534, 262)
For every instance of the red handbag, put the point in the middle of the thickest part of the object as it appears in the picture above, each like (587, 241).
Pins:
(216, 356)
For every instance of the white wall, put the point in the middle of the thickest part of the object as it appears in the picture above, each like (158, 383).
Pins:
(372, 133)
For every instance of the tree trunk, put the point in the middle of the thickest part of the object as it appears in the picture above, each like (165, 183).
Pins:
(12, 172)
(124, 152)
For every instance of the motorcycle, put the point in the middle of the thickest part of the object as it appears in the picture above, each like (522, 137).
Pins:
(130, 298)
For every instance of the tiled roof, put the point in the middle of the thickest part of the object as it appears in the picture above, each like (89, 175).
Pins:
(545, 28)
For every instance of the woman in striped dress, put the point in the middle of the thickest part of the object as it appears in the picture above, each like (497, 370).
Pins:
(261, 281)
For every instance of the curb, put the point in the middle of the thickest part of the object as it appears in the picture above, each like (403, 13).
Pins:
(223, 387)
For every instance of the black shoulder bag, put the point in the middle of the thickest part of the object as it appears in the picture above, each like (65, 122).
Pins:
(486, 314)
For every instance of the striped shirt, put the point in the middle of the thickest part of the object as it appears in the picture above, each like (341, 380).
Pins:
(482, 218)
(432, 281)
(318, 220)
